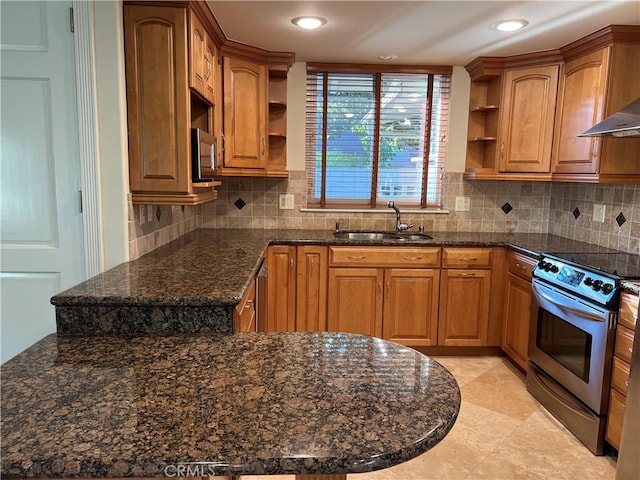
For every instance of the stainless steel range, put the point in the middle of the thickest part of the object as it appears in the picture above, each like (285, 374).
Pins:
(572, 329)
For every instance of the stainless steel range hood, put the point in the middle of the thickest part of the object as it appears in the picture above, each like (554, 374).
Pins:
(624, 123)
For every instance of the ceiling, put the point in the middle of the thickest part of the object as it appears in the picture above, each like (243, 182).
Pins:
(417, 32)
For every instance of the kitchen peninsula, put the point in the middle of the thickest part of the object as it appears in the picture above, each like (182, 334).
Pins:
(220, 404)
(194, 283)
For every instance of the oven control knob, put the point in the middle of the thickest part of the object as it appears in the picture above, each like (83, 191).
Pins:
(607, 288)
(554, 268)
(588, 281)
(597, 285)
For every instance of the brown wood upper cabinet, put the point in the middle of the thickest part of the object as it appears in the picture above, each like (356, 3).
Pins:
(526, 128)
(593, 86)
(245, 114)
(255, 118)
(526, 111)
(202, 63)
(160, 108)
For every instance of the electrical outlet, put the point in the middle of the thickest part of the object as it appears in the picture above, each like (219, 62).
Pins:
(286, 202)
(598, 213)
(463, 204)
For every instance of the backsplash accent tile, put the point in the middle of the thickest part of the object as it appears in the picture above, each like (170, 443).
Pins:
(506, 208)
(620, 219)
(576, 213)
(239, 203)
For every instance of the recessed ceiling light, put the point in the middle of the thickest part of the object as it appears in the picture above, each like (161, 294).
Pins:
(309, 23)
(510, 25)
(387, 57)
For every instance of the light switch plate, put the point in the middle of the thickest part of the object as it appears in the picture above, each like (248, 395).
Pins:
(598, 213)
(286, 201)
(463, 204)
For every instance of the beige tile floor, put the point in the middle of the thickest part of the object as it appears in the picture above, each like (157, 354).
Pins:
(502, 433)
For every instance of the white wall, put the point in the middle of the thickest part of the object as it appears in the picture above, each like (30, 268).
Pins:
(458, 111)
(112, 130)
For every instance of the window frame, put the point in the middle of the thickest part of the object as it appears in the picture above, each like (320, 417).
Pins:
(377, 71)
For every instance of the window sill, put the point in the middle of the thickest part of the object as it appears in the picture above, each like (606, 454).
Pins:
(408, 211)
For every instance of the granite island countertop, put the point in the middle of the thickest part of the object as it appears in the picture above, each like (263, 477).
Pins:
(193, 283)
(254, 404)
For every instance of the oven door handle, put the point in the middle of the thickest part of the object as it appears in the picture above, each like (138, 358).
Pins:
(581, 312)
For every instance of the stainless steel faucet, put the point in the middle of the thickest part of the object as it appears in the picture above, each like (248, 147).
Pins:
(400, 227)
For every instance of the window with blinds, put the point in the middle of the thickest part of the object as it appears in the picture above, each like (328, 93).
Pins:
(372, 137)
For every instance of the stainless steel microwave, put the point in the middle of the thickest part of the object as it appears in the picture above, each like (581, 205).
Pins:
(203, 155)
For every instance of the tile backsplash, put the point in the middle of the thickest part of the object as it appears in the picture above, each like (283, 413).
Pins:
(258, 199)
(564, 209)
(571, 214)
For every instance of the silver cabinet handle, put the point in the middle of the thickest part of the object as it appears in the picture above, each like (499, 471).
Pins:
(264, 146)
(626, 384)
(467, 259)
(466, 274)
(630, 349)
(520, 266)
(356, 257)
(413, 258)
(388, 289)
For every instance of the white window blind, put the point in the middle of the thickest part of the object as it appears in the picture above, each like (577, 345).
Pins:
(375, 137)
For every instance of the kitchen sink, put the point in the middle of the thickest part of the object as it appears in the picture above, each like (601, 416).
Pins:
(367, 235)
(415, 236)
(406, 236)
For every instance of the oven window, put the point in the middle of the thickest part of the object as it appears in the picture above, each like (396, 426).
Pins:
(566, 344)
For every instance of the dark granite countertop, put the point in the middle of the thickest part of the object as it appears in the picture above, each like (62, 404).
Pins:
(281, 403)
(214, 266)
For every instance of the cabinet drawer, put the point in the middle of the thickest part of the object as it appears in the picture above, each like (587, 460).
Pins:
(244, 316)
(614, 422)
(628, 310)
(521, 265)
(384, 257)
(466, 257)
(624, 343)
(620, 376)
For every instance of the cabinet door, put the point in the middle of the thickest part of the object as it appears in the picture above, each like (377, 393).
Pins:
(515, 331)
(197, 53)
(580, 107)
(411, 306)
(281, 289)
(528, 108)
(311, 289)
(355, 301)
(245, 114)
(157, 99)
(464, 307)
(210, 75)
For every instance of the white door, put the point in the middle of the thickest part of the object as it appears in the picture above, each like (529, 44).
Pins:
(41, 237)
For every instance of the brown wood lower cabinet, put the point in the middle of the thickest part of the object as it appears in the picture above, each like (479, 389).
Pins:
(281, 289)
(464, 307)
(296, 288)
(515, 330)
(311, 289)
(355, 300)
(411, 306)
